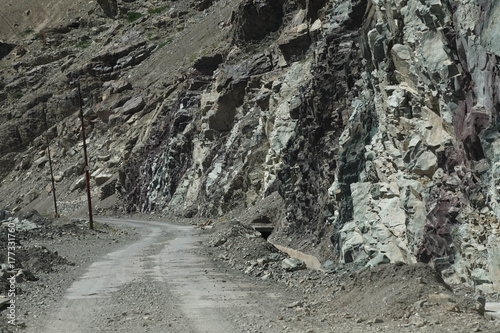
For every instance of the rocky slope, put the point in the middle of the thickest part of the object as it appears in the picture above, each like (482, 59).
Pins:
(361, 132)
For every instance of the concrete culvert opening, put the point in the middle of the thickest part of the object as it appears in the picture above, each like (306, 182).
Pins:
(264, 226)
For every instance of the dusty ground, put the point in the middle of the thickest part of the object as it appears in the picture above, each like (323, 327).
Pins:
(219, 277)
(387, 298)
(51, 258)
(19, 17)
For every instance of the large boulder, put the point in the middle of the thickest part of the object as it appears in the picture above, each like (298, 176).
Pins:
(257, 18)
(295, 41)
(109, 7)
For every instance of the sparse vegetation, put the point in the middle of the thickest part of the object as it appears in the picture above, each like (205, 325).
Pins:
(133, 16)
(158, 10)
(162, 44)
(28, 32)
(306, 59)
(83, 44)
(16, 95)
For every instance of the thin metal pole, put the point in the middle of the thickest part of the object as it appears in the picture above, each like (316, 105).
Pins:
(53, 183)
(87, 176)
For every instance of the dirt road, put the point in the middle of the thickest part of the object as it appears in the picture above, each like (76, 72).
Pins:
(158, 284)
(170, 279)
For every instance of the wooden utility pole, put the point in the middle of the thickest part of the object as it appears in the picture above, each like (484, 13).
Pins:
(53, 182)
(87, 175)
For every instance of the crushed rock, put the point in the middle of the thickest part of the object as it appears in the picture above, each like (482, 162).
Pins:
(393, 297)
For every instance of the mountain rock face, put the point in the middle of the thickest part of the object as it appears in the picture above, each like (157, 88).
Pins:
(110, 7)
(361, 132)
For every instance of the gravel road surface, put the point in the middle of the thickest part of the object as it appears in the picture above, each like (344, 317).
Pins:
(159, 283)
(132, 275)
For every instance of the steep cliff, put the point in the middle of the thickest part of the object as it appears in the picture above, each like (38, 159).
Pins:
(427, 191)
(374, 124)
(361, 132)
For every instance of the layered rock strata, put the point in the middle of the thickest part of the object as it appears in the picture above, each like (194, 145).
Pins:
(361, 132)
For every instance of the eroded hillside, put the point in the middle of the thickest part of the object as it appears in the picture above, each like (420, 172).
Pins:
(362, 132)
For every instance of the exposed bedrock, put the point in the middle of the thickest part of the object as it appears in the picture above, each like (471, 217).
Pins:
(376, 125)
(360, 132)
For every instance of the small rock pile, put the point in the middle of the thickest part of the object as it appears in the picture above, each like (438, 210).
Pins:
(386, 296)
(245, 249)
(29, 260)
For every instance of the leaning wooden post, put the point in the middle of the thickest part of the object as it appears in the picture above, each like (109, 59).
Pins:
(87, 175)
(53, 182)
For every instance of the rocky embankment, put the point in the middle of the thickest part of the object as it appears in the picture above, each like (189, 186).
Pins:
(360, 132)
